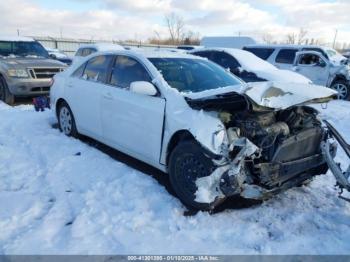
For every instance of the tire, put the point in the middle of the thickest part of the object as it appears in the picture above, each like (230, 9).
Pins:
(5, 94)
(66, 121)
(343, 88)
(187, 162)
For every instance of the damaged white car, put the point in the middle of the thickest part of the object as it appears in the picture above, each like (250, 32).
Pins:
(214, 135)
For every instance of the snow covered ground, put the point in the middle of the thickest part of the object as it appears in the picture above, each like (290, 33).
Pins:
(55, 201)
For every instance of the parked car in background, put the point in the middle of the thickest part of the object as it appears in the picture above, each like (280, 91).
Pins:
(59, 55)
(88, 49)
(249, 67)
(227, 41)
(331, 71)
(25, 68)
(189, 47)
(214, 135)
(346, 53)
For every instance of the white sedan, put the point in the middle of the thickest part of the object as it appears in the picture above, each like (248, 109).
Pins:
(187, 116)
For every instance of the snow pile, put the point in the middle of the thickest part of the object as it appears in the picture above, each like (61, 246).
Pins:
(57, 201)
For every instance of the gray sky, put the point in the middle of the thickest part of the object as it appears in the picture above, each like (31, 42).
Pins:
(125, 19)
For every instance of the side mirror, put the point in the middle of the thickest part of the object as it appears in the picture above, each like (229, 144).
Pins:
(143, 88)
(320, 64)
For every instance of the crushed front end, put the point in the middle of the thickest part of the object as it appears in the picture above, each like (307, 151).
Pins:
(269, 151)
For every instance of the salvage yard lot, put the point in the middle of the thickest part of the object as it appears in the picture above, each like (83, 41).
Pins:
(60, 195)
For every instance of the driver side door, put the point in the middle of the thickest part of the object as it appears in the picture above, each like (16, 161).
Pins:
(132, 122)
(313, 65)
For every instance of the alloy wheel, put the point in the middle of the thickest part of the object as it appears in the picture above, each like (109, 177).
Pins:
(341, 89)
(66, 120)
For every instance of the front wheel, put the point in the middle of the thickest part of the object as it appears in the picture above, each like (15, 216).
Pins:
(5, 94)
(187, 163)
(343, 89)
(66, 120)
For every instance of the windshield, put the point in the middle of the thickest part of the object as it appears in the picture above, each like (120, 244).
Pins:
(24, 49)
(332, 52)
(193, 75)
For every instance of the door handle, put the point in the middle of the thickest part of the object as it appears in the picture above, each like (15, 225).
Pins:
(108, 96)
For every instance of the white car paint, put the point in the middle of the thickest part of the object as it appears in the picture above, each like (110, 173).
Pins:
(142, 126)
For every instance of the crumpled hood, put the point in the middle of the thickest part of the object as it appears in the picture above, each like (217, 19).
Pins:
(273, 95)
(278, 95)
(279, 75)
(31, 62)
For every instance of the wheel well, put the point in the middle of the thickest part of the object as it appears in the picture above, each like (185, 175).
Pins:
(58, 103)
(337, 78)
(175, 139)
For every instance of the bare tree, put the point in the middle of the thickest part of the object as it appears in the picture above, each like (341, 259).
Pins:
(268, 38)
(301, 35)
(291, 38)
(176, 27)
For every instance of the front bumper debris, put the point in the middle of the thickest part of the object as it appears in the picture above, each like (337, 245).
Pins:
(342, 177)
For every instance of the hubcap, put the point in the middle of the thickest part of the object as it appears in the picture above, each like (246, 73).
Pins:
(341, 89)
(65, 120)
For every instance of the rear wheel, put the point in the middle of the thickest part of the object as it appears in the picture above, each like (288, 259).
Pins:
(187, 163)
(343, 89)
(66, 120)
(5, 94)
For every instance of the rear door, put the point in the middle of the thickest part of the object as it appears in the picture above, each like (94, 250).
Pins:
(84, 89)
(132, 122)
(285, 58)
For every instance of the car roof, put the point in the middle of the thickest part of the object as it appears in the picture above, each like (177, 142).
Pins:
(102, 46)
(149, 53)
(16, 39)
(285, 46)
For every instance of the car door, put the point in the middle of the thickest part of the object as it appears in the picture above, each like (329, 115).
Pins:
(313, 65)
(285, 58)
(131, 122)
(84, 89)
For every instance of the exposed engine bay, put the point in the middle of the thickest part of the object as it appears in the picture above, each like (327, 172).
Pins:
(288, 143)
(268, 151)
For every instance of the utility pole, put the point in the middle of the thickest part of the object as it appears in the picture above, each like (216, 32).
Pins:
(335, 37)
(17, 32)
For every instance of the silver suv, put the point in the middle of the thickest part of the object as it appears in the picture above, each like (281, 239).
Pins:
(25, 68)
(322, 65)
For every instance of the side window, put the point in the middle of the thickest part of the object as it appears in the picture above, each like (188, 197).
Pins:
(79, 71)
(88, 51)
(311, 60)
(127, 70)
(205, 54)
(79, 52)
(315, 49)
(286, 56)
(97, 69)
(263, 53)
(225, 60)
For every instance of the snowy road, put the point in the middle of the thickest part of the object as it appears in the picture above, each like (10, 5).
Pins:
(55, 201)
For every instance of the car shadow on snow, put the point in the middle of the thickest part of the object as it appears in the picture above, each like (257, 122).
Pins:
(161, 177)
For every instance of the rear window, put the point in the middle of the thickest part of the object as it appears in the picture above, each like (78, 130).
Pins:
(263, 53)
(286, 56)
